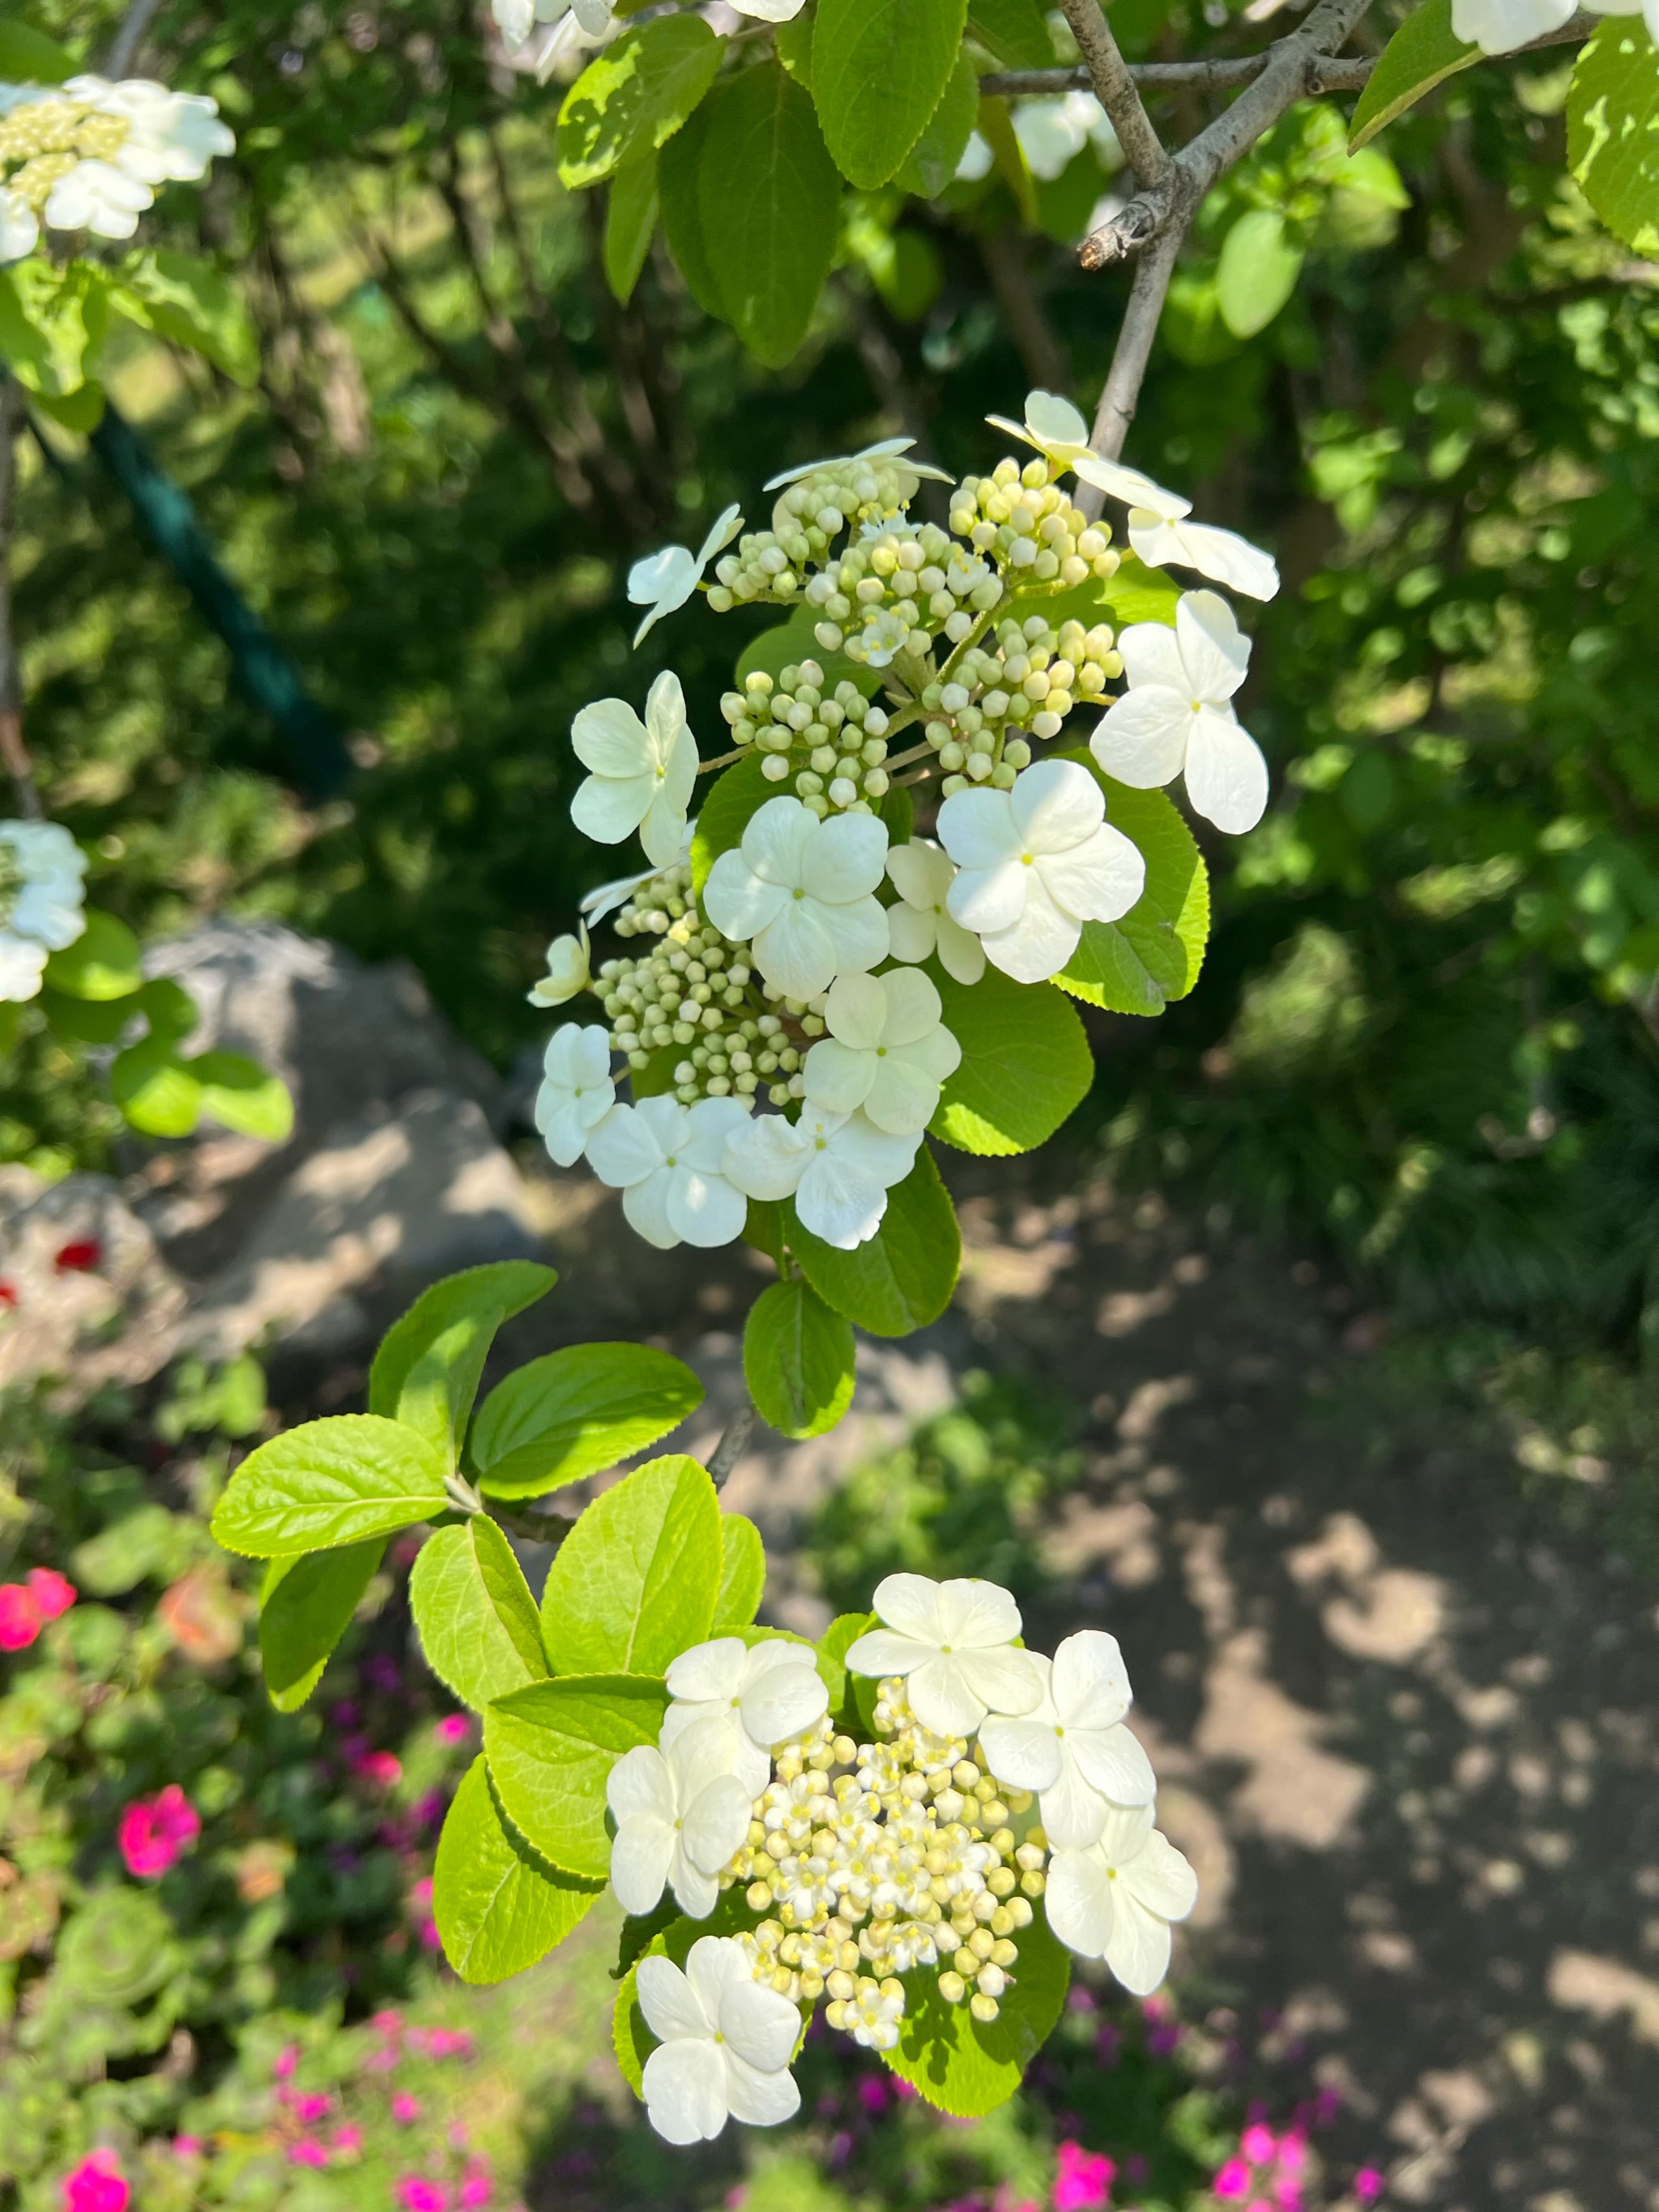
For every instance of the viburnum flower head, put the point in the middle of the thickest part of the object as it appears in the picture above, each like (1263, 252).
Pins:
(643, 772)
(668, 1162)
(1073, 1747)
(576, 1090)
(886, 450)
(1177, 717)
(680, 1815)
(922, 923)
(567, 971)
(664, 581)
(172, 137)
(953, 1643)
(724, 2043)
(838, 1168)
(754, 1695)
(805, 891)
(41, 895)
(887, 1050)
(1036, 863)
(1115, 1900)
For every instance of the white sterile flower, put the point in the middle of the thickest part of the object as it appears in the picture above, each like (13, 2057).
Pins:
(665, 580)
(838, 1167)
(805, 891)
(885, 449)
(1177, 714)
(1052, 424)
(567, 971)
(666, 1160)
(41, 901)
(1162, 537)
(1034, 863)
(725, 2044)
(1115, 1900)
(887, 1051)
(754, 1695)
(953, 1642)
(1052, 132)
(681, 1813)
(922, 875)
(643, 772)
(171, 136)
(576, 1092)
(96, 196)
(1073, 1748)
(20, 232)
(1498, 27)
(605, 898)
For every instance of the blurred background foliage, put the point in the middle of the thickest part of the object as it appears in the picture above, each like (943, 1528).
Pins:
(1429, 1029)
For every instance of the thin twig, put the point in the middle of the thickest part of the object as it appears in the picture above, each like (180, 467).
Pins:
(1121, 392)
(125, 46)
(14, 753)
(1114, 89)
(1345, 73)
(733, 1439)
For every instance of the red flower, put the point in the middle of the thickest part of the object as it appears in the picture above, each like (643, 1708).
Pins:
(19, 1617)
(83, 1257)
(156, 1831)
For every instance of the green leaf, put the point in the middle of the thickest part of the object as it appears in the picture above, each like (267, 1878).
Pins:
(1012, 32)
(186, 299)
(796, 641)
(81, 410)
(933, 161)
(797, 1360)
(477, 1620)
(155, 1089)
(633, 96)
(768, 207)
(965, 2068)
(103, 962)
(901, 1279)
(88, 1021)
(792, 42)
(243, 1096)
(29, 56)
(552, 1747)
(499, 1908)
(837, 1641)
(679, 192)
(1137, 965)
(1134, 593)
(53, 320)
(1612, 130)
(996, 127)
(575, 1413)
(327, 1483)
(634, 1583)
(427, 1370)
(877, 75)
(739, 795)
(306, 1607)
(1025, 1063)
(167, 1008)
(630, 216)
(743, 1575)
(1422, 52)
(1257, 271)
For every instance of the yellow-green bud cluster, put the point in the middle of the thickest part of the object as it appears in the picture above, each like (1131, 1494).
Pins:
(870, 1860)
(894, 580)
(808, 517)
(1023, 686)
(833, 747)
(1030, 527)
(49, 138)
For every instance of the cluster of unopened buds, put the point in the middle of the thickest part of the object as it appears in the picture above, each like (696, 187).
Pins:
(992, 1785)
(787, 974)
(88, 155)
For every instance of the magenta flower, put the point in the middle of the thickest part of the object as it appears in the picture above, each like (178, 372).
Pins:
(454, 1727)
(1233, 2180)
(383, 1768)
(1083, 2178)
(405, 2109)
(347, 2140)
(312, 2105)
(286, 2060)
(1258, 2144)
(475, 2189)
(872, 2093)
(97, 2185)
(307, 2151)
(155, 1833)
(186, 2146)
(20, 1620)
(1368, 2184)
(417, 2194)
(52, 1592)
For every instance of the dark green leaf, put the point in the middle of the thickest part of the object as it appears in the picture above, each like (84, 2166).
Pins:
(933, 161)
(797, 1360)
(575, 1413)
(477, 1618)
(498, 1906)
(328, 1483)
(550, 1749)
(1613, 131)
(902, 1279)
(877, 75)
(679, 192)
(427, 1370)
(306, 1607)
(796, 641)
(29, 56)
(768, 207)
(636, 1582)
(630, 216)
(1014, 32)
(633, 95)
(1422, 52)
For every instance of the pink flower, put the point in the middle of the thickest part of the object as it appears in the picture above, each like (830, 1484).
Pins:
(454, 1727)
(307, 2151)
(52, 1592)
(405, 2108)
(1233, 2180)
(21, 1619)
(186, 2146)
(286, 2060)
(389, 2022)
(347, 2140)
(383, 1768)
(1083, 2179)
(382, 2061)
(1258, 2144)
(313, 2106)
(1292, 2153)
(97, 2185)
(156, 1831)
(1368, 2184)
(415, 2194)
(475, 2189)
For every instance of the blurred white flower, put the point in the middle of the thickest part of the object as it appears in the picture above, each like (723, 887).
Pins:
(921, 924)
(667, 1160)
(755, 1695)
(1498, 27)
(1073, 1748)
(96, 196)
(803, 890)
(953, 1642)
(680, 1814)
(643, 772)
(19, 231)
(1115, 1900)
(567, 971)
(1177, 714)
(976, 159)
(1053, 132)
(42, 898)
(887, 1051)
(579, 21)
(1034, 863)
(838, 1167)
(770, 12)
(576, 1090)
(665, 581)
(171, 136)
(724, 2043)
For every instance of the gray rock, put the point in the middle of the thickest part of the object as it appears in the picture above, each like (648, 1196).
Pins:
(84, 1297)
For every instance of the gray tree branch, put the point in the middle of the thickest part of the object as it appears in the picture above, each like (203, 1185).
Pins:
(1121, 392)
(1114, 89)
(1346, 73)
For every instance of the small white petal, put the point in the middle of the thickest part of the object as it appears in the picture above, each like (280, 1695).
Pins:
(685, 2091)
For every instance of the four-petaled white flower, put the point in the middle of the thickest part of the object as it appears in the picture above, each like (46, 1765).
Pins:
(725, 2044)
(667, 1161)
(576, 1092)
(20, 232)
(805, 891)
(953, 1642)
(754, 1695)
(887, 1051)
(680, 1815)
(96, 196)
(1177, 714)
(567, 973)
(885, 449)
(643, 772)
(41, 901)
(1053, 426)
(665, 581)
(1036, 863)
(1073, 1748)
(1115, 1900)
(922, 923)
(838, 1167)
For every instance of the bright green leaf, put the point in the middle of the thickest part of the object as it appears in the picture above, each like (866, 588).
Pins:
(1422, 52)
(1257, 271)
(477, 1618)
(53, 320)
(29, 56)
(243, 1096)
(499, 1908)
(966, 2067)
(155, 1089)
(427, 1370)
(768, 207)
(1613, 131)
(630, 217)
(1013, 32)
(552, 1747)
(186, 299)
(81, 410)
(933, 161)
(1137, 965)
(306, 1607)
(837, 1641)
(167, 1008)
(103, 962)
(1133, 593)
(903, 1278)
(877, 75)
(575, 1413)
(743, 1574)
(634, 1583)
(1025, 1063)
(329, 1482)
(633, 95)
(797, 1360)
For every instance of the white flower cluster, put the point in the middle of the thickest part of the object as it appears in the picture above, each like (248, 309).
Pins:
(995, 1782)
(88, 155)
(41, 901)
